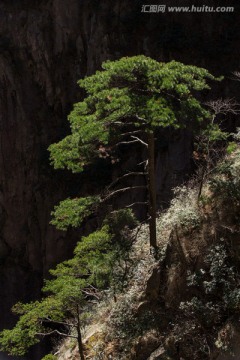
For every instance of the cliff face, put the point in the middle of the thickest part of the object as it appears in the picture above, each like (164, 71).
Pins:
(45, 47)
(185, 303)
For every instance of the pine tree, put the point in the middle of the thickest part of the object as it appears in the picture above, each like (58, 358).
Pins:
(125, 104)
(74, 283)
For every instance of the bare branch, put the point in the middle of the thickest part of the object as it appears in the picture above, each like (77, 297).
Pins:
(236, 75)
(56, 332)
(140, 140)
(143, 162)
(128, 121)
(132, 132)
(91, 293)
(49, 320)
(113, 193)
(224, 106)
(92, 287)
(126, 142)
(140, 118)
(137, 203)
(125, 176)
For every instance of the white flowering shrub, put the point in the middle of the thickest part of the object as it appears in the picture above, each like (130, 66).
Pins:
(237, 135)
(183, 210)
(226, 181)
(235, 168)
(219, 300)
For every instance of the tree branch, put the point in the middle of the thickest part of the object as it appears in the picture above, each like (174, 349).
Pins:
(236, 76)
(91, 293)
(48, 320)
(113, 193)
(125, 176)
(140, 140)
(140, 118)
(224, 106)
(125, 142)
(132, 132)
(56, 332)
(137, 203)
(143, 162)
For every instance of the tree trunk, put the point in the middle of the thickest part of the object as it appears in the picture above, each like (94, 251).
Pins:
(79, 336)
(152, 208)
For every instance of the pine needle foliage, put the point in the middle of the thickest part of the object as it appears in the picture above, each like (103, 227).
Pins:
(75, 283)
(136, 90)
(133, 95)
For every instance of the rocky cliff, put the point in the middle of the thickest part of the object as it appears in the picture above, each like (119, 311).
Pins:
(185, 303)
(45, 47)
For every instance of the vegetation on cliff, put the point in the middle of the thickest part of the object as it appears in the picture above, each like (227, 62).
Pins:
(75, 282)
(188, 287)
(184, 304)
(126, 104)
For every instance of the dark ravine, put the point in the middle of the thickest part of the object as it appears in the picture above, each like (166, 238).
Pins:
(6, 357)
(45, 47)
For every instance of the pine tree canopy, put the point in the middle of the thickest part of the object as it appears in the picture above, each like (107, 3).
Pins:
(131, 93)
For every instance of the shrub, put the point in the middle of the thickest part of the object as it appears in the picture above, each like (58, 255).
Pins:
(183, 210)
(49, 357)
(71, 212)
(232, 146)
(218, 282)
(226, 180)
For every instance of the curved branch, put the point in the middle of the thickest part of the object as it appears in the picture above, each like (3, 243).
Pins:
(113, 193)
(139, 140)
(48, 320)
(132, 132)
(125, 142)
(124, 176)
(56, 332)
(137, 203)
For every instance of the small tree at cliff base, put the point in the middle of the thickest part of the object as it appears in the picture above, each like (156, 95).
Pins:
(75, 286)
(75, 282)
(125, 104)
